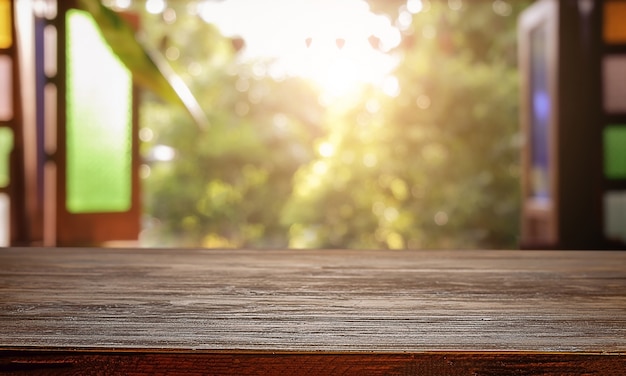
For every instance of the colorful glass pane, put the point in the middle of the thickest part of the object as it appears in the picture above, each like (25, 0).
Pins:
(6, 88)
(50, 118)
(6, 146)
(614, 83)
(50, 50)
(5, 220)
(615, 22)
(615, 152)
(6, 38)
(540, 115)
(99, 121)
(615, 215)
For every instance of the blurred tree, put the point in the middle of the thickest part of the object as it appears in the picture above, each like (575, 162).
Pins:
(223, 186)
(432, 165)
(149, 70)
(435, 166)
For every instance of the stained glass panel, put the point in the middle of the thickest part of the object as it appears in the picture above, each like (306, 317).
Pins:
(50, 50)
(615, 215)
(50, 116)
(6, 89)
(614, 22)
(6, 39)
(615, 152)
(6, 145)
(614, 85)
(99, 121)
(540, 120)
(5, 220)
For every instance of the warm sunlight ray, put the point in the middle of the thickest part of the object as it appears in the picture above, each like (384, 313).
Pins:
(328, 42)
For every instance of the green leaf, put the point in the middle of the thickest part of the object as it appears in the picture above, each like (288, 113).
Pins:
(149, 68)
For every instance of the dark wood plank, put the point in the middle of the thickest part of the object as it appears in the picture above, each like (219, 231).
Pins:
(285, 364)
(314, 301)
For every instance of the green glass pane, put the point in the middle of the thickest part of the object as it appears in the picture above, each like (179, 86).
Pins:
(6, 38)
(615, 152)
(6, 145)
(99, 121)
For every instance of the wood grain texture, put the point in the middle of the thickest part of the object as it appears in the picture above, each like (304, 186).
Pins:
(360, 302)
(141, 363)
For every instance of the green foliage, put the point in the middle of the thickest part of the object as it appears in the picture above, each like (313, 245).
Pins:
(150, 70)
(226, 185)
(435, 167)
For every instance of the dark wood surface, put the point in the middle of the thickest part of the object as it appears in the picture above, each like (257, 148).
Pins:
(534, 311)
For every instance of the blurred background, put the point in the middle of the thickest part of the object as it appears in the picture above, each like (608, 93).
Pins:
(363, 124)
(334, 124)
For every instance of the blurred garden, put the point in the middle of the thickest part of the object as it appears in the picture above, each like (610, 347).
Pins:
(333, 124)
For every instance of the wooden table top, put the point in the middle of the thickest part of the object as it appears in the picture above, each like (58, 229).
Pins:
(313, 300)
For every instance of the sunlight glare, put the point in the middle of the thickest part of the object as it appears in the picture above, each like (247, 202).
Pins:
(414, 6)
(155, 6)
(122, 4)
(391, 86)
(326, 149)
(325, 41)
